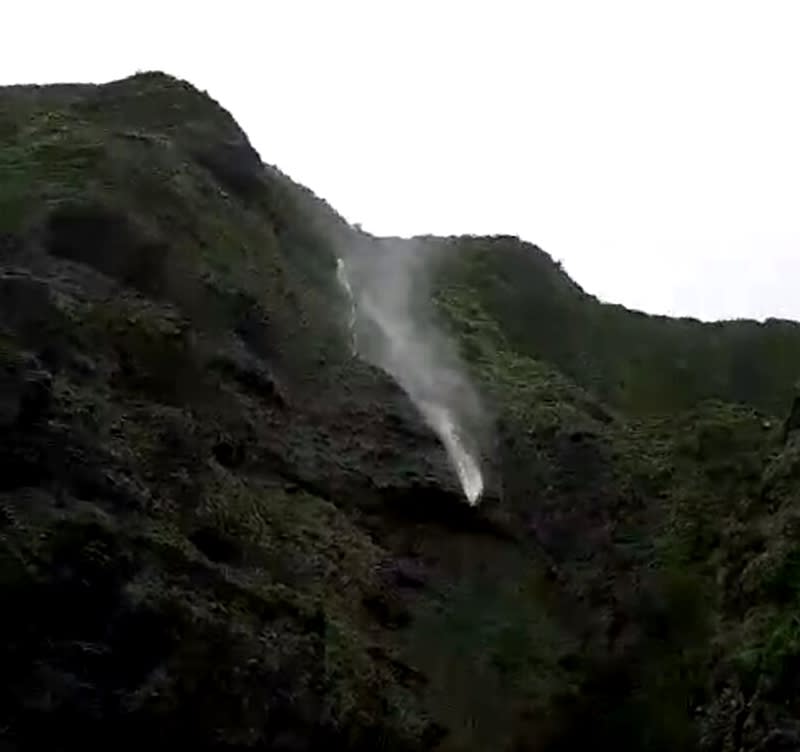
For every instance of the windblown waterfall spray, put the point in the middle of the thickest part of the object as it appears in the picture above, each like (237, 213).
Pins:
(344, 281)
(440, 419)
(379, 289)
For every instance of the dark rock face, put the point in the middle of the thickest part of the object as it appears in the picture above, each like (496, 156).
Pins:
(9, 244)
(219, 529)
(235, 165)
(108, 241)
(792, 422)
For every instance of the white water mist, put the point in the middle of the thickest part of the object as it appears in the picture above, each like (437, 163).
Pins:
(344, 281)
(379, 288)
(469, 474)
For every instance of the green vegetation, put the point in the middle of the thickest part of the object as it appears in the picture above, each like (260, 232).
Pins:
(642, 364)
(218, 528)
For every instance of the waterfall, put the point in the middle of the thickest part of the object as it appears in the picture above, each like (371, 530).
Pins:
(344, 281)
(411, 360)
(469, 474)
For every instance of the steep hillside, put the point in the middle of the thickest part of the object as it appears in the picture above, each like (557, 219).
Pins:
(639, 363)
(220, 526)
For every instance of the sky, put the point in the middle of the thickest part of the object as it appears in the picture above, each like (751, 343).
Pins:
(653, 148)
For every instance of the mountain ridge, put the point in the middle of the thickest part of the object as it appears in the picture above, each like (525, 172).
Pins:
(219, 527)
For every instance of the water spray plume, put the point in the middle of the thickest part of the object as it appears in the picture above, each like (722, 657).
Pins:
(413, 360)
(469, 474)
(344, 281)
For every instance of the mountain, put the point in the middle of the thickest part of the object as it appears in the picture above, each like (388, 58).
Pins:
(222, 526)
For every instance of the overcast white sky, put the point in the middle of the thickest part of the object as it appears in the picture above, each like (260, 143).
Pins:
(652, 147)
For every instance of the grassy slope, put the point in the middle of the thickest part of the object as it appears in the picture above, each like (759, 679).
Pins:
(216, 526)
(642, 364)
(702, 516)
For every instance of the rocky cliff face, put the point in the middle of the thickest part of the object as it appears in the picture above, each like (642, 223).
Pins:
(220, 527)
